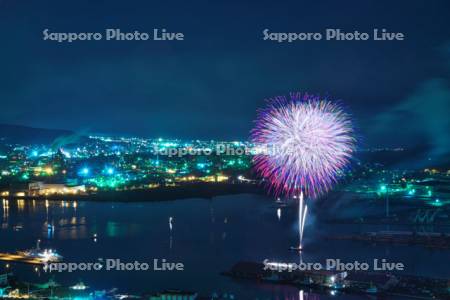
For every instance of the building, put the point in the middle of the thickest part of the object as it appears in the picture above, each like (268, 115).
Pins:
(43, 189)
(174, 295)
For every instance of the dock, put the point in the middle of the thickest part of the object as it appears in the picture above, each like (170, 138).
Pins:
(11, 257)
(429, 240)
(349, 282)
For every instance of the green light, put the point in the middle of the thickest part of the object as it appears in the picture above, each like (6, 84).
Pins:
(111, 229)
(231, 162)
(437, 202)
(108, 182)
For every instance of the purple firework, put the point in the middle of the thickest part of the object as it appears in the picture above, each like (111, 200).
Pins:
(306, 142)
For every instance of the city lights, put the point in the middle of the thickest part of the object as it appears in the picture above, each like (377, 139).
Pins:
(48, 171)
(85, 171)
(95, 165)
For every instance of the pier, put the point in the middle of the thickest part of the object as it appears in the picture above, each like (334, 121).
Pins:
(348, 282)
(10, 257)
(430, 240)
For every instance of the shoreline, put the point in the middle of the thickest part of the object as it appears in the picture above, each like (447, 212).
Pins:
(187, 191)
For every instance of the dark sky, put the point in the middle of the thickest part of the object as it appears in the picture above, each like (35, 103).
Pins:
(210, 84)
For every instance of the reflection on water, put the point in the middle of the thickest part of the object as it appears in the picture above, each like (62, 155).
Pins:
(307, 296)
(20, 204)
(5, 208)
(207, 236)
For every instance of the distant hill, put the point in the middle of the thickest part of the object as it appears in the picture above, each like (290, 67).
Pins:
(412, 158)
(29, 135)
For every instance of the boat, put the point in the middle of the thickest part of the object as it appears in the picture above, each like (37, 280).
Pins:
(298, 248)
(44, 255)
(80, 286)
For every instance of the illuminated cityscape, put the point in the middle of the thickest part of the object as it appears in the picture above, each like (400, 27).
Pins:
(120, 164)
(123, 164)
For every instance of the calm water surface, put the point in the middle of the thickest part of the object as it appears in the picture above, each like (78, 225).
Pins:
(207, 236)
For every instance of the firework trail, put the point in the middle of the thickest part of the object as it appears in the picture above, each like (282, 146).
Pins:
(306, 143)
(170, 223)
(302, 211)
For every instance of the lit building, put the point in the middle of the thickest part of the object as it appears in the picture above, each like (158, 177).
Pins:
(40, 188)
(174, 295)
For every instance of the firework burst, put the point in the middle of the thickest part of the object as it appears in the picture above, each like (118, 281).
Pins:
(307, 141)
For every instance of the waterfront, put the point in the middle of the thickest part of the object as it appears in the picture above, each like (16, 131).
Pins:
(208, 237)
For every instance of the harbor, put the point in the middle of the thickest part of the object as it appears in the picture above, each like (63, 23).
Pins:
(144, 231)
(34, 256)
(348, 282)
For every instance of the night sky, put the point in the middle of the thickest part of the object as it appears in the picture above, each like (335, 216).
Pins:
(211, 84)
